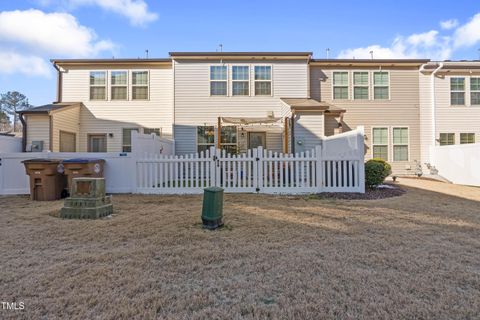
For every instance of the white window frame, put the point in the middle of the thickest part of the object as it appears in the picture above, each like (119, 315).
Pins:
(226, 80)
(465, 87)
(233, 81)
(454, 138)
(255, 81)
(131, 85)
(228, 143)
(159, 130)
(348, 84)
(205, 144)
(369, 94)
(460, 137)
(373, 85)
(105, 85)
(400, 144)
(388, 141)
(126, 85)
(123, 136)
(472, 91)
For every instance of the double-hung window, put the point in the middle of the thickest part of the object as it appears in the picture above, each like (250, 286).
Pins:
(360, 85)
(119, 85)
(218, 80)
(240, 81)
(263, 80)
(127, 139)
(467, 137)
(400, 144)
(205, 138)
(447, 139)
(340, 85)
(474, 91)
(380, 143)
(381, 85)
(457, 91)
(98, 85)
(228, 139)
(139, 85)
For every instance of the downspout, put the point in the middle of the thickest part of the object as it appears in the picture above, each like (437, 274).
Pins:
(434, 120)
(24, 132)
(59, 83)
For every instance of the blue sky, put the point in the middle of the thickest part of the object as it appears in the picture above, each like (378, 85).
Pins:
(33, 31)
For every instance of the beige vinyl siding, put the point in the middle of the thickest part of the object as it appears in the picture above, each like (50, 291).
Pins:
(309, 128)
(455, 119)
(426, 134)
(194, 105)
(274, 141)
(65, 120)
(401, 110)
(38, 129)
(105, 117)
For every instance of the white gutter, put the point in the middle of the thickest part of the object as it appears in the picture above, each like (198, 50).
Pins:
(434, 120)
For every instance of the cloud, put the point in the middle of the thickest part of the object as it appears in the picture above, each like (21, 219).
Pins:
(136, 11)
(448, 24)
(468, 34)
(50, 33)
(12, 62)
(419, 45)
(29, 37)
(431, 44)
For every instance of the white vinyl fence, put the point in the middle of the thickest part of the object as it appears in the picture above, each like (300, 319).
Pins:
(458, 163)
(335, 165)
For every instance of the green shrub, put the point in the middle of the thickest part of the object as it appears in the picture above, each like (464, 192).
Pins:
(376, 170)
(387, 168)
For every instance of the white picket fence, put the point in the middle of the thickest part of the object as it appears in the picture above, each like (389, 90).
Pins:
(257, 170)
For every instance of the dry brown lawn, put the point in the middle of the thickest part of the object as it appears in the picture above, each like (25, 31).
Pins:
(416, 256)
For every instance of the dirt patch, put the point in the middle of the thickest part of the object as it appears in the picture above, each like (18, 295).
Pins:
(414, 256)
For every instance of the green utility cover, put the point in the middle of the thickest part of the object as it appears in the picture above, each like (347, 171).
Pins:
(212, 204)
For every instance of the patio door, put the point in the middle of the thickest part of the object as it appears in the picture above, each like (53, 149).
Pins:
(257, 139)
(97, 143)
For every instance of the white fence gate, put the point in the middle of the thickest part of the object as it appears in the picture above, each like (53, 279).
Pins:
(257, 170)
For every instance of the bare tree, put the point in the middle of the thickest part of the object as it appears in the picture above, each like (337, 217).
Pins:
(11, 102)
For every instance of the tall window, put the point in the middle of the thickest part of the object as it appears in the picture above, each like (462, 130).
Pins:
(218, 80)
(228, 140)
(205, 137)
(467, 138)
(263, 80)
(457, 91)
(380, 85)
(118, 85)
(127, 139)
(360, 85)
(340, 85)
(139, 85)
(447, 139)
(240, 81)
(400, 144)
(98, 85)
(380, 143)
(157, 131)
(475, 91)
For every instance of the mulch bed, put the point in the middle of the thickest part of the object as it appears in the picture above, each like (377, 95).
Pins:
(370, 194)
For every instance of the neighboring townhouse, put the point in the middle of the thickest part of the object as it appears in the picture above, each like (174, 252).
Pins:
(282, 101)
(449, 104)
(382, 96)
(99, 103)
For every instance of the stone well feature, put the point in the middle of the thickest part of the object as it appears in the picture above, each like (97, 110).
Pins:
(87, 200)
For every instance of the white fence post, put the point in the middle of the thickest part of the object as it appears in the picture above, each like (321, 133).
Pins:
(319, 167)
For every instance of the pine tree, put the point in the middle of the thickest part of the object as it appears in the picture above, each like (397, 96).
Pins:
(11, 102)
